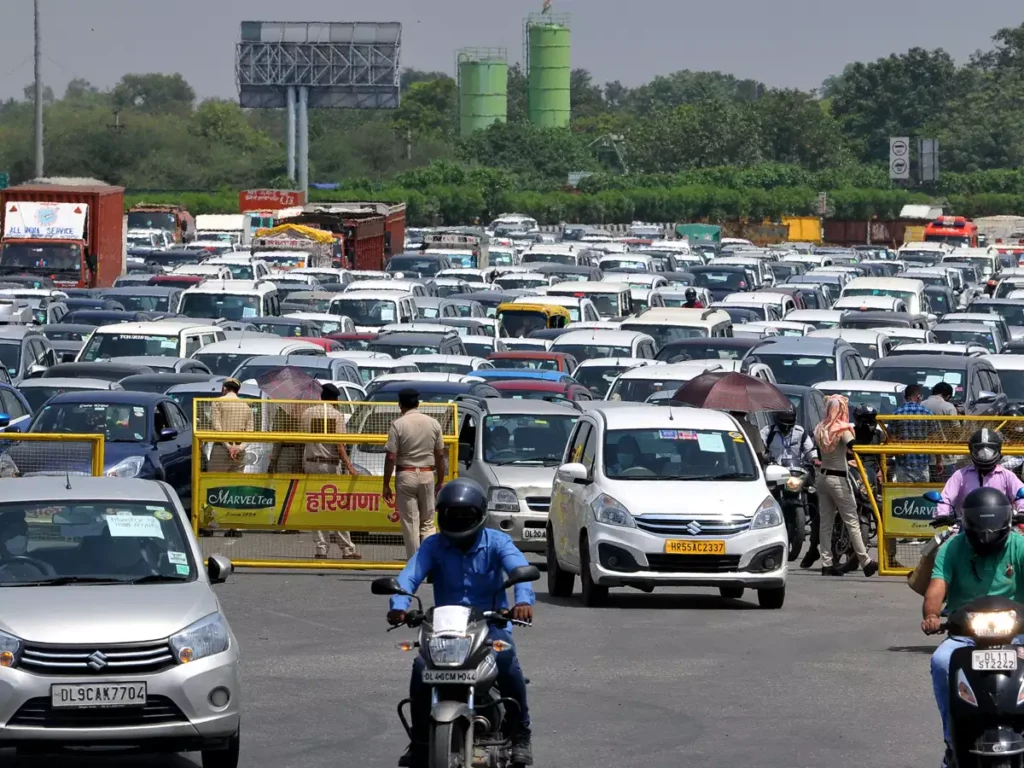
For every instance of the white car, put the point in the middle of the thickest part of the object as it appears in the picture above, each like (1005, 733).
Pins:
(685, 503)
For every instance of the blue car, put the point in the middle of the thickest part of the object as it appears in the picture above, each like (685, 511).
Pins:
(506, 374)
(15, 412)
(147, 437)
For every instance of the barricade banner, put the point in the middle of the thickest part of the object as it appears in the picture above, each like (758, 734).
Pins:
(905, 511)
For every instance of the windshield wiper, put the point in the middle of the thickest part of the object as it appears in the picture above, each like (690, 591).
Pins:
(59, 581)
(725, 476)
(548, 461)
(153, 578)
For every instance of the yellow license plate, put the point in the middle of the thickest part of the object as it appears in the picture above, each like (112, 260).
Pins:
(694, 547)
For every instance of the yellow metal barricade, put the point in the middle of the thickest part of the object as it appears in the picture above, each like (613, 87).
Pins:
(24, 454)
(263, 481)
(918, 454)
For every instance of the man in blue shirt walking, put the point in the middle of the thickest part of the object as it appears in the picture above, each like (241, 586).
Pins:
(467, 563)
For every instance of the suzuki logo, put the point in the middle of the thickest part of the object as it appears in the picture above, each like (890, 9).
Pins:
(97, 661)
(694, 528)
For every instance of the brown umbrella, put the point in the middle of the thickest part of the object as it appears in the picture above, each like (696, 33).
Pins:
(729, 391)
(289, 383)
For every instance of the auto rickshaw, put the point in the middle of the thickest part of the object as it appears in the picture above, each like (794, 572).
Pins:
(520, 320)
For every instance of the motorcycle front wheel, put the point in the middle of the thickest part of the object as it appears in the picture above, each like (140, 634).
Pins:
(450, 745)
(796, 529)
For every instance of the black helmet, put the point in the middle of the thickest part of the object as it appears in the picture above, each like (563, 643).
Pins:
(690, 294)
(785, 421)
(986, 446)
(461, 511)
(865, 414)
(987, 518)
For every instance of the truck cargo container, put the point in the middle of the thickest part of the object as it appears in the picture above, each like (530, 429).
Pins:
(319, 247)
(173, 219)
(466, 248)
(372, 231)
(74, 234)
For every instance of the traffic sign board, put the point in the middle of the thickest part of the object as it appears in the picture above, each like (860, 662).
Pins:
(899, 157)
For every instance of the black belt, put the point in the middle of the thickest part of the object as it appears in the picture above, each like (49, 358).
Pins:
(833, 472)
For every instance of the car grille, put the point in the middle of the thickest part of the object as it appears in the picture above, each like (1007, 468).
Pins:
(144, 658)
(693, 563)
(689, 526)
(538, 503)
(38, 713)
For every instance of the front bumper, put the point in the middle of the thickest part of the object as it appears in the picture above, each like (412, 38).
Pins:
(631, 556)
(178, 715)
(527, 527)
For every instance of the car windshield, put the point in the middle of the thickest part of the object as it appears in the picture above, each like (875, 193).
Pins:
(443, 367)
(370, 312)
(248, 371)
(525, 363)
(920, 258)
(741, 315)
(677, 454)
(865, 350)
(37, 396)
(501, 258)
(222, 364)
(598, 378)
(803, 371)
(353, 344)
(526, 440)
(709, 351)
(926, 377)
(120, 422)
(906, 296)
(666, 334)
(142, 303)
(520, 283)
(623, 265)
(428, 312)
(639, 390)
(10, 357)
(107, 345)
(47, 258)
(60, 334)
(520, 323)
(722, 279)
(589, 351)
(220, 305)
(473, 348)
(241, 271)
(883, 402)
(985, 338)
(425, 397)
(982, 263)
(285, 330)
(424, 267)
(1013, 314)
(108, 541)
(549, 258)
(401, 350)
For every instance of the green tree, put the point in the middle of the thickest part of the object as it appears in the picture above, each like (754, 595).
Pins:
(794, 129)
(429, 108)
(154, 92)
(586, 96)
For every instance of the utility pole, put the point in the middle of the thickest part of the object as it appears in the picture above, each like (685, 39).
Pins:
(116, 127)
(39, 94)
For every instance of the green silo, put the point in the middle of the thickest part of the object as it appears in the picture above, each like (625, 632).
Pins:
(548, 48)
(483, 88)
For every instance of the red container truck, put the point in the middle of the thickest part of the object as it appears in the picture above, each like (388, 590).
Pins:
(370, 231)
(74, 234)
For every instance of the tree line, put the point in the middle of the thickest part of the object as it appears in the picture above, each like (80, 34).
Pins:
(686, 144)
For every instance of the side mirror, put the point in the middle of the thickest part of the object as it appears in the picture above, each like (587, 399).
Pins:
(386, 585)
(35, 371)
(465, 453)
(573, 473)
(936, 497)
(218, 568)
(775, 474)
(5, 420)
(168, 434)
(986, 398)
(521, 574)
(932, 317)
(1020, 494)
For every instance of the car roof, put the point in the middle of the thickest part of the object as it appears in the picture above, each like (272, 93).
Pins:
(19, 332)
(400, 338)
(850, 334)
(598, 336)
(520, 373)
(140, 290)
(1006, 362)
(113, 397)
(926, 361)
(58, 381)
(862, 385)
(538, 354)
(798, 345)
(158, 328)
(958, 326)
(531, 385)
(425, 385)
(84, 488)
(167, 377)
(307, 361)
(647, 417)
(361, 295)
(617, 362)
(263, 345)
(66, 327)
(513, 406)
(691, 368)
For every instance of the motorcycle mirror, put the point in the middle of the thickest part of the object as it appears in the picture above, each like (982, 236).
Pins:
(1020, 494)
(521, 574)
(386, 585)
(1018, 518)
(936, 497)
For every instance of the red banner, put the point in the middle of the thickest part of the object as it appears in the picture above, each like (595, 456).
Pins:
(269, 199)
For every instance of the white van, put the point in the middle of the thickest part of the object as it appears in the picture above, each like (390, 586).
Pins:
(985, 259)
(556, 253)
(638, 384)
(411, 287)
(164, 338)
(370, 310)
(783, 302)
(235, 300)
(669, 324)
(610, 299)
(911, 292)
(626, 262)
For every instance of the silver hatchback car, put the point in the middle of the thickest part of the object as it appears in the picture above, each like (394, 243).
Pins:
(110, 633)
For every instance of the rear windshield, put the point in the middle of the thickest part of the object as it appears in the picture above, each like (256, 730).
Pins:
(802, 371)
(107, 345)
(925, 376)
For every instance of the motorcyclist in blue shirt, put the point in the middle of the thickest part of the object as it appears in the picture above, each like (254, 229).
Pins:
(467, 563)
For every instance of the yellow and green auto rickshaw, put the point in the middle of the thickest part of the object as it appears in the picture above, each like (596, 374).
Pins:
(520, 320)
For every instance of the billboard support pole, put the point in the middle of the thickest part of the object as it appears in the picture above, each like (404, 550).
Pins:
(290, 130)
(303, 139)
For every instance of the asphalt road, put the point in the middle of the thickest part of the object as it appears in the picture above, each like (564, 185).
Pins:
(838, 677)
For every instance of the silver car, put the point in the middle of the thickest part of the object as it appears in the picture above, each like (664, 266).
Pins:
(110, 634)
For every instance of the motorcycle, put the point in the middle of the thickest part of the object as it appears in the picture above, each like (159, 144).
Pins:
(793, 499)
(468, 712)
(985, 685)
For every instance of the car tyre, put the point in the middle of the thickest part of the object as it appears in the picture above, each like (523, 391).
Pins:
(594, 595)
(560, 583)
(731, 593)
(769, 599)
(223, 758)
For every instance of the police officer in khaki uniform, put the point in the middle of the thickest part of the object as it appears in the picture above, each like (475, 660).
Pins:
(415, 450)
(230, 414)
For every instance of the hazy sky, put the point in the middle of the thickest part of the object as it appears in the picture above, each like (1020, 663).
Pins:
(794, 43)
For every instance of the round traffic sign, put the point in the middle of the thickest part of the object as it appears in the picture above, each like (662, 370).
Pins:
(899, 148)
(898, 166)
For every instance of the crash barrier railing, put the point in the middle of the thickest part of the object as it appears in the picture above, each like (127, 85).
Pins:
(31, 454)
(918, 454)
(269, 489)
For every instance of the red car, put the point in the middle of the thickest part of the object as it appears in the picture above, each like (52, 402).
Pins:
(329, 345)
(176, 281)
(527, 389)
(536, 361)
(352, 340)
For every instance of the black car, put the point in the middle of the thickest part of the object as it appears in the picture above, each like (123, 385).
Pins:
(107, 317)
(146, 298)
(940, 298)
(430, 391)
(308, 301)
(569, 272)
(706, 348)
(977, 390)
(722, 279)
(92, 302)
(402, 344)
(159, 383)
(67, 331)
(882, 319)
(104, 371)
(160, 364)
(418, 264)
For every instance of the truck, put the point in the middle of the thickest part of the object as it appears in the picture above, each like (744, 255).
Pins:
(956, 231)
(291, 246)
(467, 248)
(230, 227)
(73, 233)
(173, 219)
(372, 231)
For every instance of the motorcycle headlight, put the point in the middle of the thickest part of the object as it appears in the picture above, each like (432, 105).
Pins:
(611, 512)
(10, 650)
(768, 515)
(503, 500)
(995, 624)
(449, 651)
(207, 637)
(130, 467)
(794, 484)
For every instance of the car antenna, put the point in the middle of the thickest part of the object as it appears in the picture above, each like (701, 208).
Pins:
(240, 337)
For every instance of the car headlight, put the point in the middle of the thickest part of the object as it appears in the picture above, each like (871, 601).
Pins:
(449, 651)
(611, 512)
(10, 650)
(768, 515)
(130, 467)
(995, 624)
(794, 484)
(207, 637)
(502, 500)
